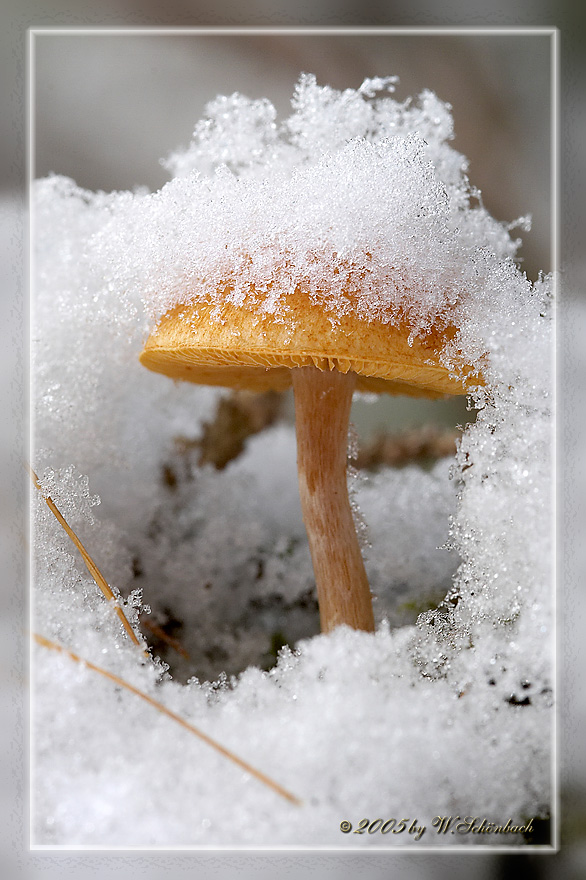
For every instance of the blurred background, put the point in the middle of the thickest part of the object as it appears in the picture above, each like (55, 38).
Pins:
(107, 107)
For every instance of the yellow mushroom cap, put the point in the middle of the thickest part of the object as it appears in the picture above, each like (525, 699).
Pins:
(245, 346)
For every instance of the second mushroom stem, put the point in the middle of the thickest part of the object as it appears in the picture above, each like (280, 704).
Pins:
(322, 412)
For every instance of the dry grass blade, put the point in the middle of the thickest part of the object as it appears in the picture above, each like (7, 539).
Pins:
(266, 780)
(90, 564)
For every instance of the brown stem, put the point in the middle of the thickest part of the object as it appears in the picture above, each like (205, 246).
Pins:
(322, 411)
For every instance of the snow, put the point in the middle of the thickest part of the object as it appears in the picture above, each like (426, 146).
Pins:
(347, 184)
(445, 713)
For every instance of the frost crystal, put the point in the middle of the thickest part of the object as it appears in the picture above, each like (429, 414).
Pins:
(456, 701)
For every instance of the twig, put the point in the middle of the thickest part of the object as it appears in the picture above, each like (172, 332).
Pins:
(160, 633)
(41, 640)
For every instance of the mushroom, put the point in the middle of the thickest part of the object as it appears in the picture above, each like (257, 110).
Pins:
(325, 359)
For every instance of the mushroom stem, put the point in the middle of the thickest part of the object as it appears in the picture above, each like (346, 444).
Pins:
(322, 411)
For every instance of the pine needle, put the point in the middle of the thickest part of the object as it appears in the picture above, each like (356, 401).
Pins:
(266, 780)
(90, 564)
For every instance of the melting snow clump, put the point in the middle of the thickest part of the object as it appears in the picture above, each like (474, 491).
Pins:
(447, 709)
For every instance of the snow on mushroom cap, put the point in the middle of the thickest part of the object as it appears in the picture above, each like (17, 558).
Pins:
(349, 182)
